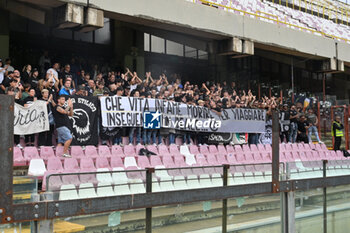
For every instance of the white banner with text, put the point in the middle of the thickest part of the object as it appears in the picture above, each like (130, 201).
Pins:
(119, 111)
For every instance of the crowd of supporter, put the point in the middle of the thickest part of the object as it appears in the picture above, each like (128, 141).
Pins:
(51, 80)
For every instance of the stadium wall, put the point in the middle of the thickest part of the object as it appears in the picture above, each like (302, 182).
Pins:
(200, 20)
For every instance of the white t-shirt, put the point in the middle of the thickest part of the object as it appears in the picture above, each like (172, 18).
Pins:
(2, 72)
(133, 87)
(52, 72)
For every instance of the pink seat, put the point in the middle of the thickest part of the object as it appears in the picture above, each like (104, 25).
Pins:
(212, 161)
(253, 148)
(268, 148)
(312, 146)
(18, 159)
(129, 150)
(180, 161)
(103, 151)
(138, 148)
(301, 146)
(194, 150)
(257, 157)
(155, 161)
(221, 149)
(46, 152)
(288, 146)
(204, 149)
(289, 156)
(231, 159)
(87, 165)
(59, 151)
(324, 147)
(143, 162)
(117, 162)
(261, 147)
(90, 151)
(70, 179)
(55, 182)
(174, 150)
(213, 149)
(201, 160)
(153, 149)
(102, 162)
(282, 147)
(240, 158)
(229, 149)
(266, 156)
(221, 158)
(71, 165)
(295, 147)
(30, 152)
(249, 158)
(117, 151)
(238, 149)
(54, 165)
(245, 148)
(168, 162)
(77, 152)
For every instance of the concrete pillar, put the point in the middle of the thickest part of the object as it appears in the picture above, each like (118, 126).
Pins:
(4, 34)
(129, 47)
(219, 63)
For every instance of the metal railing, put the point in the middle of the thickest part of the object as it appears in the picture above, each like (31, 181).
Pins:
(44, 208)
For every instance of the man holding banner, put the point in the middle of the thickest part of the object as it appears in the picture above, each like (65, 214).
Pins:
(62, 124)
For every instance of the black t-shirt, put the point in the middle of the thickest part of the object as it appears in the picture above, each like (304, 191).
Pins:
(28, 100)
(81, 80)
(302, 126)
(25, 77)
(53, 91)
(64, 75)
(60, 119)
(33, 82)
(293, 113)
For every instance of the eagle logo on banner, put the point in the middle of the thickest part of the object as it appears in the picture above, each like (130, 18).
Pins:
(81, 121)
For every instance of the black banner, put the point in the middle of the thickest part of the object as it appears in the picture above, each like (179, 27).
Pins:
(84, 120)
(216, 138)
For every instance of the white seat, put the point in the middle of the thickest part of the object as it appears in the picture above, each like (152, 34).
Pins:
(122, 189)
(119, 177)
(190, 159)
(137, 186)
(259, 177)
(162, 174)
(104, 177)
(130, 162)
(184, 150)
(205, 181)
(216, 179)
(238, 179)
(249, 177)
(68, 192)
(192, 182)
(36, 167)
(105, 189)
(180, 183)
(87, 190)
(155, 185)
(166, 185)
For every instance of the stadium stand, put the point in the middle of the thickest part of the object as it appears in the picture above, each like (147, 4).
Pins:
(177, 169)
(286, 16)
